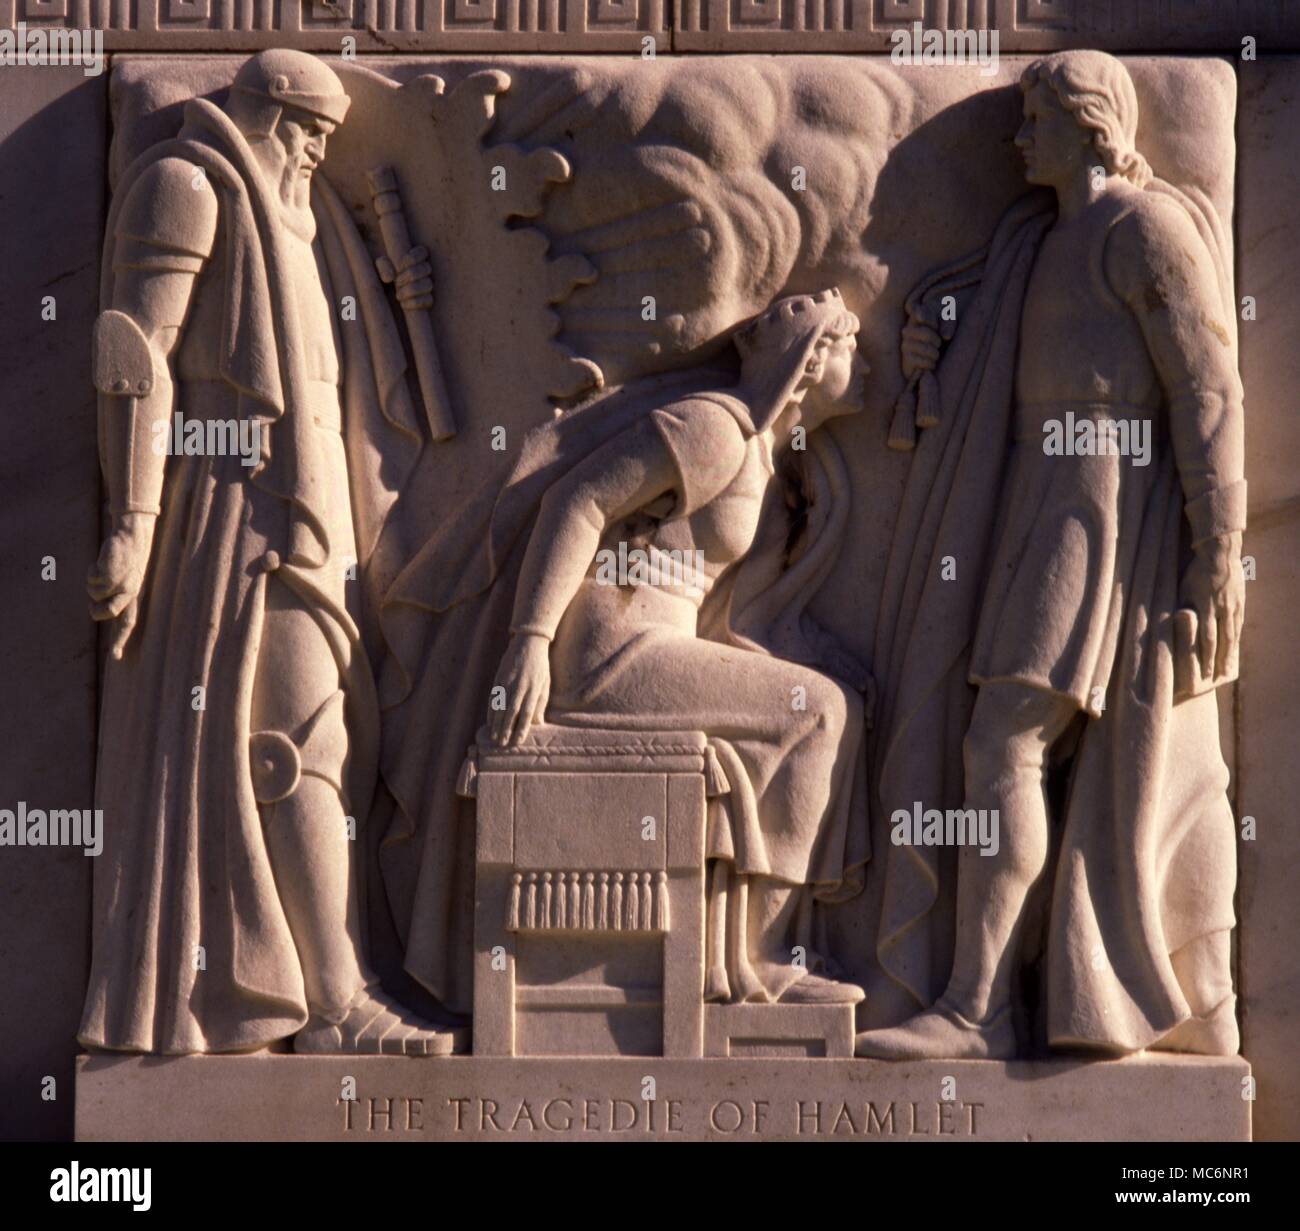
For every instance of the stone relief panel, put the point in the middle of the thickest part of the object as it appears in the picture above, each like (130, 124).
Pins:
(712, 559)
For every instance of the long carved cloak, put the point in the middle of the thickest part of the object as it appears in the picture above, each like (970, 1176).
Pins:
(1146, 847)
(192, 951)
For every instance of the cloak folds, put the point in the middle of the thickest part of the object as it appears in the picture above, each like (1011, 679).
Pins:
(184, 869)
(446, 620)
(1146, 846)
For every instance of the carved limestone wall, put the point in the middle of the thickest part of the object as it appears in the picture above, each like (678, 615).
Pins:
(543, 201)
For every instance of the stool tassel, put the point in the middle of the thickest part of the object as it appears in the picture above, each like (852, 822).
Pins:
(633, 902)
(661, 902)
(512, 917)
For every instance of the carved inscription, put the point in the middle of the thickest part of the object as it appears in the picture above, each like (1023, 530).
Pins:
(602, 1115)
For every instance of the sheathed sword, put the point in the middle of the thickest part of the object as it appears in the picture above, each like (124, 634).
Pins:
(397, 243)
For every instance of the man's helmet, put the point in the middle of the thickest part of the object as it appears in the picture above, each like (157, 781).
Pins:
(294, 79)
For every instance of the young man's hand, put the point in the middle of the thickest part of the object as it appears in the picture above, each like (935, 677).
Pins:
(1214, 587)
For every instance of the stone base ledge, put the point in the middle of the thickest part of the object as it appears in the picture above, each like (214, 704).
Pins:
(299, 1098)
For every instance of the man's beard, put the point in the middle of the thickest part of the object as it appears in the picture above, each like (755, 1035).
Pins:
(291, 189)
(295, 207)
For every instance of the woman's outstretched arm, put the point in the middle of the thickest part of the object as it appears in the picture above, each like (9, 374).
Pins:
(627, 473)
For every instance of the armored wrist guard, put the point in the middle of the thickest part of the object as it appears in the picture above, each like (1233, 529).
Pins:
(125, 370)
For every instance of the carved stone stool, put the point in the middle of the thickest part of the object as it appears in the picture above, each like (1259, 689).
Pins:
(769, 1031)
(589, 900)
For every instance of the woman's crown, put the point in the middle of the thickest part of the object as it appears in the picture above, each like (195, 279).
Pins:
(796, 313)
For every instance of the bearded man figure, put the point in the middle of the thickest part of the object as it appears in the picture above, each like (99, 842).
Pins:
(239, 725)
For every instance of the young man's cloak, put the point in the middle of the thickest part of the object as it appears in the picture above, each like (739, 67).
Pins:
(1146, 848)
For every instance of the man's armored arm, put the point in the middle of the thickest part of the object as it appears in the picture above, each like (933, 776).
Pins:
(165, 232)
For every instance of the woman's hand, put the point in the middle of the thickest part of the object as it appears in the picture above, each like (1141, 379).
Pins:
(521, 690)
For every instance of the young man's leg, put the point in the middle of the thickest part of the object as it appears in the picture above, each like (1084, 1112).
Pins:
(1011, 735)
(1012, 731)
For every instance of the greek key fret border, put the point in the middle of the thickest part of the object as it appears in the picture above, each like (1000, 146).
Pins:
(683, 25)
